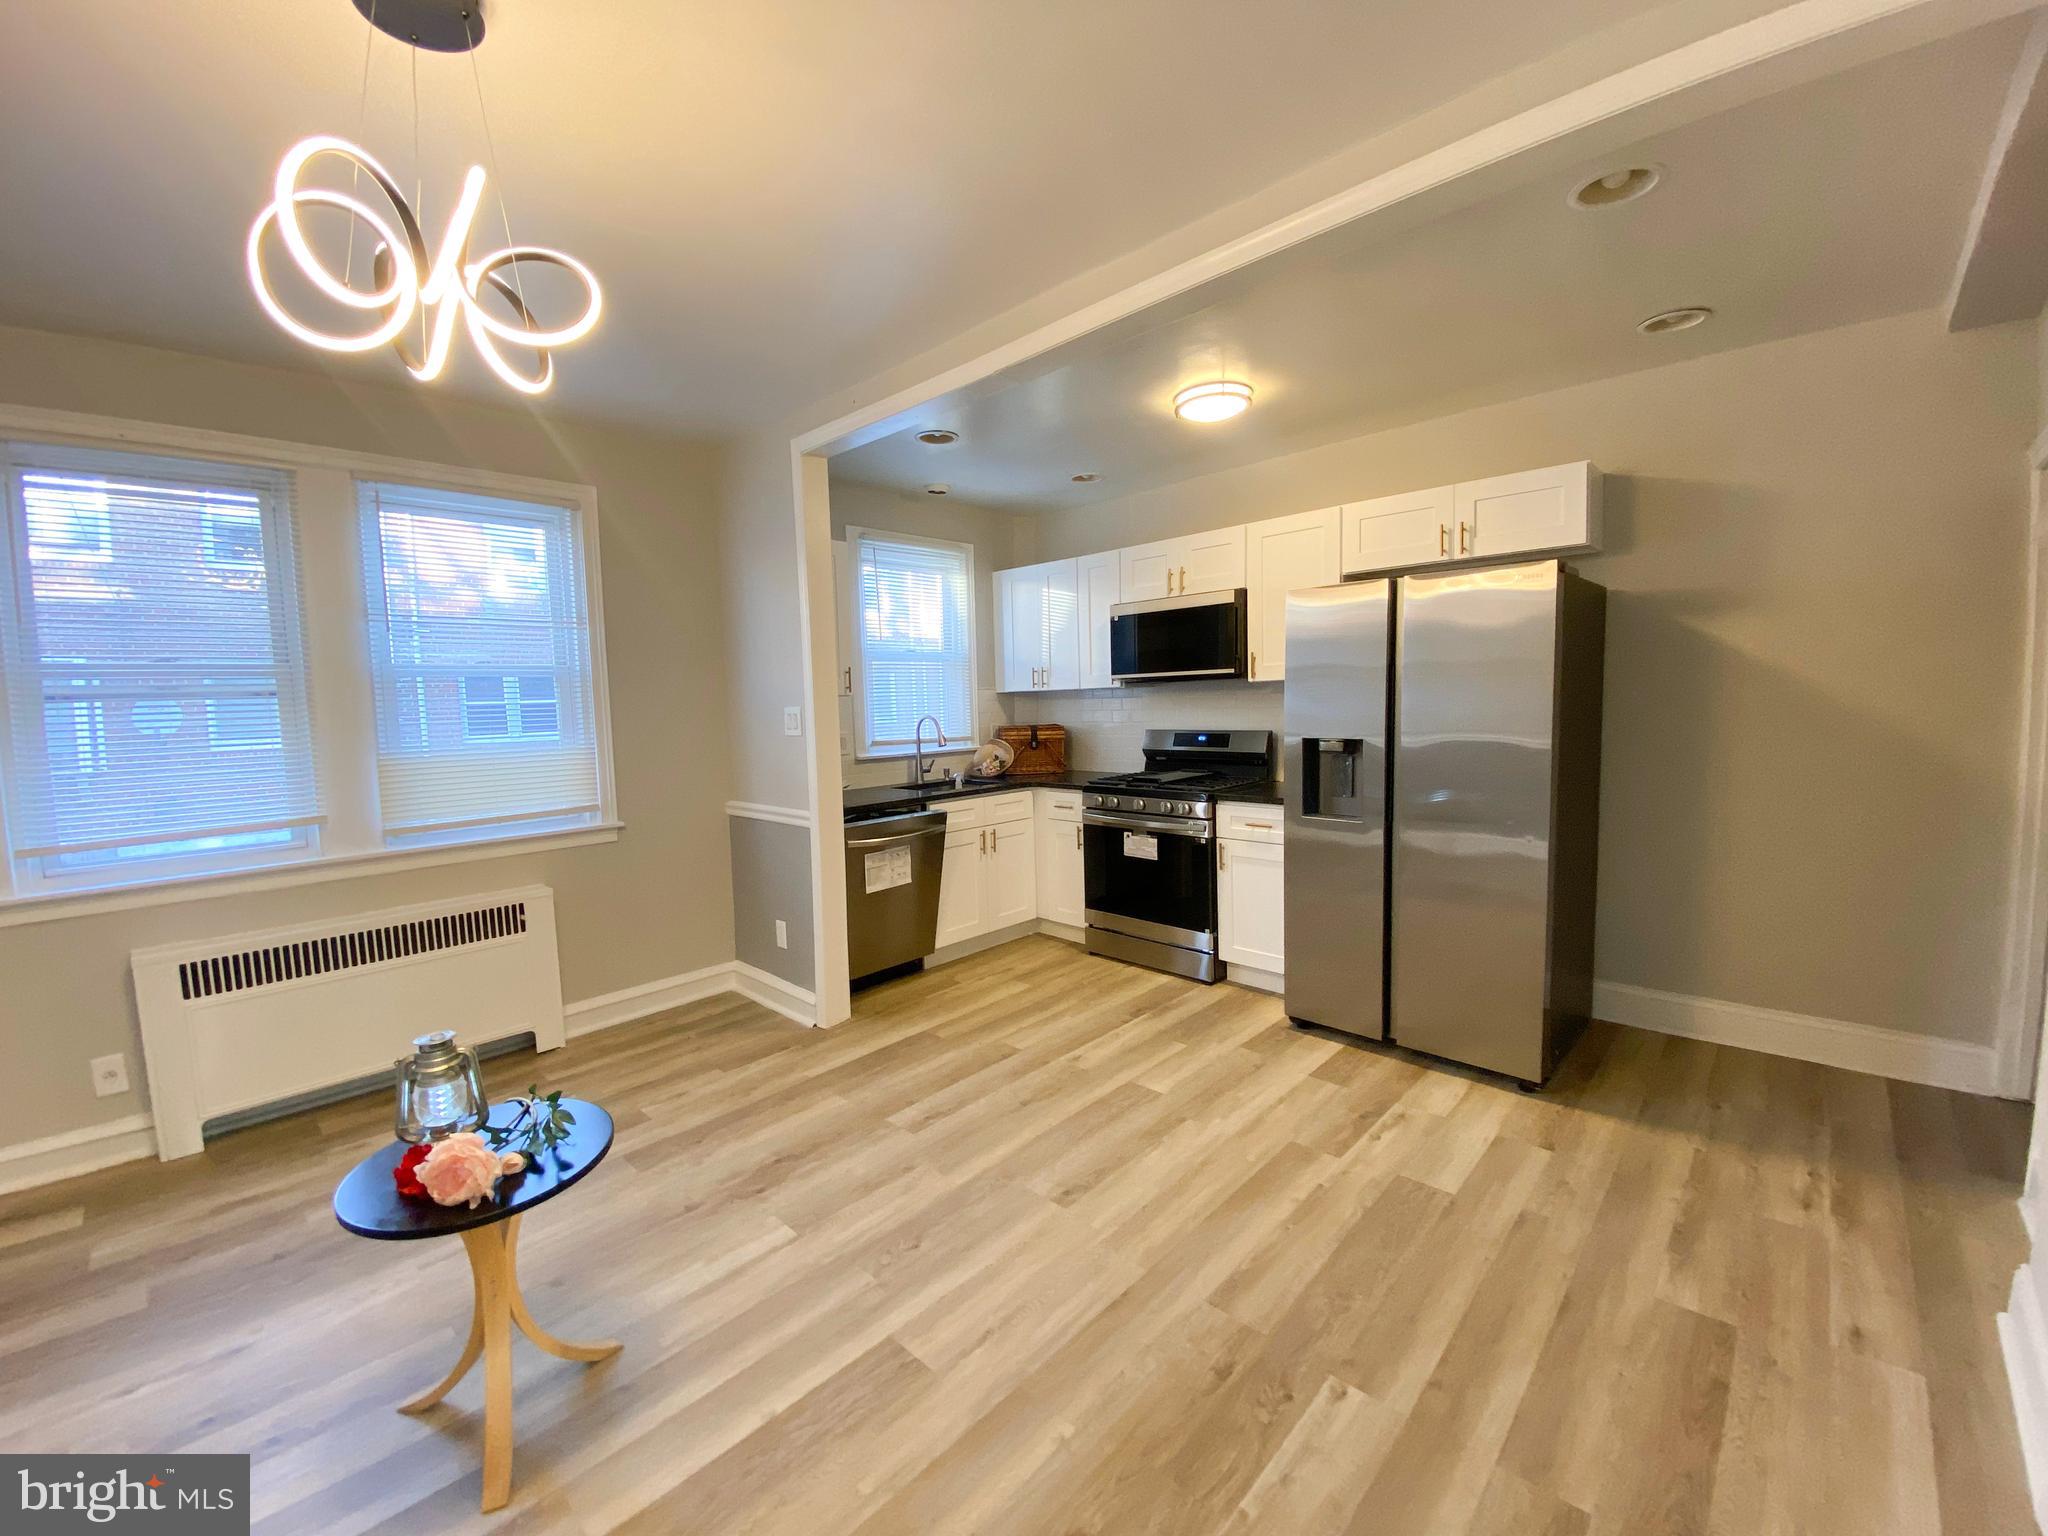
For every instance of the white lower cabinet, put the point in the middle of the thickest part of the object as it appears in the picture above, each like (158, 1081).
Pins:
(1250, 903)
(990, 877)
(960, 884)
(1062, 877)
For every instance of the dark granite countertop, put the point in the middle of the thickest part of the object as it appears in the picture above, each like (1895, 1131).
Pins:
(890, 799)
(893, 799)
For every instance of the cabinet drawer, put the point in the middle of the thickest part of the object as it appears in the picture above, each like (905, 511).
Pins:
(964, 813)
(1059, 804)
(1250, 823)
(986, 810)
(996, 808)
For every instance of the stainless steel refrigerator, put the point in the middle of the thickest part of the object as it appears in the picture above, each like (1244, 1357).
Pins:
(1442, 740)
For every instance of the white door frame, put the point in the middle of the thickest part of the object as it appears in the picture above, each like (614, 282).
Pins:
(2025, 994)
(1810, 39)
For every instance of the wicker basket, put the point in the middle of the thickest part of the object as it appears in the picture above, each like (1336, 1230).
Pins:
(1041, 749)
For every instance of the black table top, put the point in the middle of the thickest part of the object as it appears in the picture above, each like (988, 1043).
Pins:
(368, 1203)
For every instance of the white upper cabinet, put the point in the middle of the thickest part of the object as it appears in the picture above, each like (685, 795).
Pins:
(1020, 621)
(1281, 555)
(1540, 509)
(1062, 624)
(1213, 562)
(1391, 531)
(1551, 511)
(1101, 589)
(1150, 570)
(842, 587)
(1038, 627)
(1200, 562)
(1052, 626)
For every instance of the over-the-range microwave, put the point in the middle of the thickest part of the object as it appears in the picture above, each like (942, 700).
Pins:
(1202, 635)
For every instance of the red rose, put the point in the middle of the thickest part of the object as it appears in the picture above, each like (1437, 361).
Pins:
(406, 1174)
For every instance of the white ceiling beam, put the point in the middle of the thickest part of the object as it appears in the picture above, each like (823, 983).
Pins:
(2003, 272)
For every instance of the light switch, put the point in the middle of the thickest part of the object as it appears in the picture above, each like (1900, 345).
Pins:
(781, 934)
(793, 720)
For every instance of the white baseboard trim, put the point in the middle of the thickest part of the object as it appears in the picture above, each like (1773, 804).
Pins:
(1804, 1037)
(773, 993)
(1258, 980)
(1067, 931)
(70, 1153)
(646, 1000)
(976, 945)
(2023, 1335)
(755, 810)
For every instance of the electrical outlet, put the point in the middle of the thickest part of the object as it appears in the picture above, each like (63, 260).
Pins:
(109, 1074)
(781, 934)
(793, 720)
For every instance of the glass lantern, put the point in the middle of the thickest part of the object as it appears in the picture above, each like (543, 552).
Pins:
(440, 1089)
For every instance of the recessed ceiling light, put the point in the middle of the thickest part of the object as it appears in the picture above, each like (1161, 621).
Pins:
(938, 488)
(1086, 477)
(938, 437)
(1675, 320)
(1217, 400)
(1624, 184)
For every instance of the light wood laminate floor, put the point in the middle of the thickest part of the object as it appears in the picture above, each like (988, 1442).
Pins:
(1039, 1243)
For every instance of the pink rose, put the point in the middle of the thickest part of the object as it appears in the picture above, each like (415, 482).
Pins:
(460, 1170)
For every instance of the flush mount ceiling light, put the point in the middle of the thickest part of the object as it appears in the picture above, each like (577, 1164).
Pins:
(1086, 477)
(1624, 184)
(1669, 320)
(407, 281)
(939, 488)
(1217, 400)
(938, 437)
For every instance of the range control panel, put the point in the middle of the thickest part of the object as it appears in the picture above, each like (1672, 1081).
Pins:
(1145, 805)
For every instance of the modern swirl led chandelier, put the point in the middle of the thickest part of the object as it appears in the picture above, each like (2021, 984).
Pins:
(437, 288)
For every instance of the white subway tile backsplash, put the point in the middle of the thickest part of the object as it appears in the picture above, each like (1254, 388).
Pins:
(1106, 726)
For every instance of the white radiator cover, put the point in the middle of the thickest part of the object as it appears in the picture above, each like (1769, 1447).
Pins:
(248, 1019)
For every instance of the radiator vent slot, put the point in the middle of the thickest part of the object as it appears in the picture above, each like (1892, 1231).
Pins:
(269, 966)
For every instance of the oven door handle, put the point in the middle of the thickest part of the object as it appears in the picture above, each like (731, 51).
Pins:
(1200, 831)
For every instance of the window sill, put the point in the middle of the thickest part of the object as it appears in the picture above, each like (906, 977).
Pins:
(905, 754)
(56, 906)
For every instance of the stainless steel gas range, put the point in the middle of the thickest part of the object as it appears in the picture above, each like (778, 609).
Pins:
(1149, 848)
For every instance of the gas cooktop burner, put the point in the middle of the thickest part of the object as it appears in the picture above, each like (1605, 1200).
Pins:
(1179, 778)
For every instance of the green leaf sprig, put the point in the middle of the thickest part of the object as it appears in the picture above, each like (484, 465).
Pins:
(539, 1125)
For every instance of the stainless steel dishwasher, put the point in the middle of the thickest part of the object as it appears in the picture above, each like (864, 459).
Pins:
(892, 889)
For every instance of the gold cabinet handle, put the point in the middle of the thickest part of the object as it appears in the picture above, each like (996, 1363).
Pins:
(1263, 826)
(1255, 663)
(1183, 581)
(1077, 834)
(984, 842)
(1443, 539)
(1464, 542)
(1221, 861)
(849, 679)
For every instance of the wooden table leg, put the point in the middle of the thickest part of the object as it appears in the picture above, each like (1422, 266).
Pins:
(561, 1349)
(490, 1255)
(497, 1307)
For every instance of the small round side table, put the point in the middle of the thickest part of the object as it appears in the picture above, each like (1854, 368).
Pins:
(368, 1204)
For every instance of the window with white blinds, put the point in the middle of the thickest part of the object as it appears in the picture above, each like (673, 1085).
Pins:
(915, 623)
(156, 700)
(480, 652)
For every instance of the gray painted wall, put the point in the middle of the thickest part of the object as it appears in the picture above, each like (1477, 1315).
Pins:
(771, 863)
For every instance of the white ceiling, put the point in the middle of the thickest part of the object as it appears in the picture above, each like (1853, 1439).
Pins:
(1829, 203)
(781, 198)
